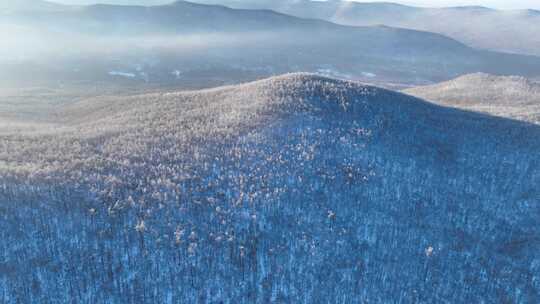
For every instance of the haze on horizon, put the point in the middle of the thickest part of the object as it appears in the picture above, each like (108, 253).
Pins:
(498, 4)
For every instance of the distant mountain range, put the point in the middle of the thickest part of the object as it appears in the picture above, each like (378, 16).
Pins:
(513, 31)
(175, 18)
(293, 189)
(204, 44)
(507, 96)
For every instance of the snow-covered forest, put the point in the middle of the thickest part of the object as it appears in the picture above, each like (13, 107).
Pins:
(293, 189)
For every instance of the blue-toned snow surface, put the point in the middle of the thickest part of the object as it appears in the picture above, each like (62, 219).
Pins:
(294, 189)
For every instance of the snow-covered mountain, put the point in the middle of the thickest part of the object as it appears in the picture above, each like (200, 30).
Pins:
(292, 189)
(185, 42)
(512, 31)
(507, 96)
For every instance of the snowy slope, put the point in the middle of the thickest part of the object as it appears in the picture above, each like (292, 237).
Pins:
(292, 189)
(507, 96)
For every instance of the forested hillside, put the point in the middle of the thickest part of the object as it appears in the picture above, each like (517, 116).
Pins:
(293, 189)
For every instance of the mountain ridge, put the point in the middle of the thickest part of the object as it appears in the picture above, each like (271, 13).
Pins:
(185, 42)
(469, 24)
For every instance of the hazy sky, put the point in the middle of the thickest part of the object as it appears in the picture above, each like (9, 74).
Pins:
(504, 4)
